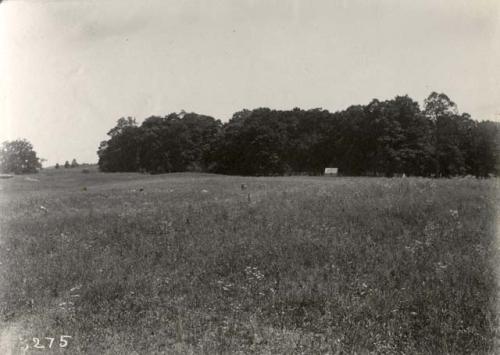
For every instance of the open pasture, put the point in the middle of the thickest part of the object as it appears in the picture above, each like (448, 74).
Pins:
(198, 263)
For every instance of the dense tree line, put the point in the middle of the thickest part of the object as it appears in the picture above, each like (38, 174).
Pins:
(177, 142)
(381, 138)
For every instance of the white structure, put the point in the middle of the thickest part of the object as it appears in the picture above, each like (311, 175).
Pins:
(331, 171)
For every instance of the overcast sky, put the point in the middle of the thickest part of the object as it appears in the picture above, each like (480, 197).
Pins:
(70, 69)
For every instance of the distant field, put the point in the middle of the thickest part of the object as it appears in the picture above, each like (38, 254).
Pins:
(179, 263)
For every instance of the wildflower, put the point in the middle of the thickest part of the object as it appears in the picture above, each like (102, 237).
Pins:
(204, 191)
(454, 213)
(441, 266)
(77, 287)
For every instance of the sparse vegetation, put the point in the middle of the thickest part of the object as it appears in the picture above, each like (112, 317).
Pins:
(198, 264)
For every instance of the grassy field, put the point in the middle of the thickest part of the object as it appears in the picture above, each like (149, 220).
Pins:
(136, 264)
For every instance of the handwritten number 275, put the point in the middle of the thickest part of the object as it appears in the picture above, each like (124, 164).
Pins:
(63, 342)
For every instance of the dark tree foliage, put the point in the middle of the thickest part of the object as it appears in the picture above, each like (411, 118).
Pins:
(484, 156)
(253, 143)
(399, 138)
(270, 142)
(120, 152)
(18, 157)
(382, 138)
(176, 142)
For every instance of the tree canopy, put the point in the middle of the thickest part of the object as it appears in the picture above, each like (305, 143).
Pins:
(174, 143)
(380, 138)
(18, 157)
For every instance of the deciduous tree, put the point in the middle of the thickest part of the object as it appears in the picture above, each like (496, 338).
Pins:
(18, 157)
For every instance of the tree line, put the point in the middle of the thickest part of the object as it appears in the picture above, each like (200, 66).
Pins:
(382, 138)
(67, 165)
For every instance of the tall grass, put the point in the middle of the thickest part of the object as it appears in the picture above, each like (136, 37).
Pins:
(288, 265)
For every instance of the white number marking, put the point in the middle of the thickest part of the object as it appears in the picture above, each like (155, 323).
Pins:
(51, 341)
(64, 343)
(37, 344)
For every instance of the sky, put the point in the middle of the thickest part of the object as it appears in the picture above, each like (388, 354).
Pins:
(71, 68)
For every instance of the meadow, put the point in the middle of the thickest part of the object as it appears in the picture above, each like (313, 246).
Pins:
(126, 263)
